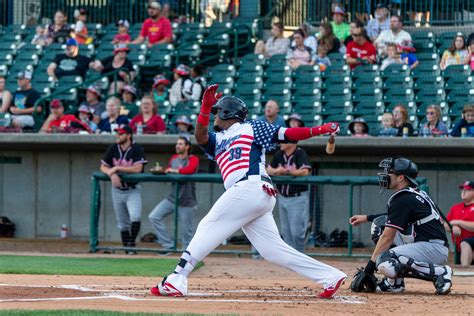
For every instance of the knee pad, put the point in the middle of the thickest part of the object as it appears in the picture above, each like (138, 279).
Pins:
(388, 264)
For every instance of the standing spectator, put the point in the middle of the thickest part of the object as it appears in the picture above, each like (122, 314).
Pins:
(355, 27)
(129, 97)
(433, 125)
(94, 103)
(394, 35)
(359, 128)
(58, 122)
(70, 63)
(293, 200)
(339, 26)
(40, 38)
(81, 34)
(122, 37)
(85, 115)
(183, 162)
(60, 30)
(380, 23)
(466, 122)
(148, 118)
(5, 96)
(23, 101)
(294, 121)
(157, 29)
(461, 217)
(114, 119)
(183, 126)
(407, 54)
(271, 115)
(181, 83)
(160, 91)
(400, 115)
(322, 59)
(457, 54)
(392, 57)
(388, 126)
(198, 84)
(276, 44)
(309, 39)
(328, 39)
(360, 51)
(300, 54)
(125, 156)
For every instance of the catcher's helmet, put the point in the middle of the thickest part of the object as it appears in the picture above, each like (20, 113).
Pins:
(228, 108)
(398, 166)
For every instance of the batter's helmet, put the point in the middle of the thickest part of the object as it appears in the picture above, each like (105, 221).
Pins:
(398, 166)
(228, 108)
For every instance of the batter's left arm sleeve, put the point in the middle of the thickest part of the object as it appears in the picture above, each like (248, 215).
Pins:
(192, 166)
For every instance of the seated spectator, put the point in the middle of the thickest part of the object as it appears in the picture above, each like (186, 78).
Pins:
(182, 83)
(148, 118)
(400, 116)
(70, 63)
(114, 119)
(395, 34)
(461, 217)
(81, 34)
(379, 23)
(466, 122)
(160, 90)
(271, 115)
(122, 37)
(300, 54)
(360, 51)
(94, 103)
(457, 54)
(183, 125)
(85, 115)
(388, 126)
(5, 96)
(309, 39)
(60, 30)
(198, 84)
(354, 28)
(276, 44)
(156, 29)
(433, 125)
(322, 59)
(21, 104)
(407, 54)
(339, 26)
(118, 61)
(328, 39)
(294, 121)
(40, 38)
(392, 57)
(58, 122)
(359, 128)
(129, 97)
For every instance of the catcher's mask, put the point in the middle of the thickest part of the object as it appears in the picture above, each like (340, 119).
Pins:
(397, 166)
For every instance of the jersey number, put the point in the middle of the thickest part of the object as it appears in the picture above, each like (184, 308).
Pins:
(235, 153)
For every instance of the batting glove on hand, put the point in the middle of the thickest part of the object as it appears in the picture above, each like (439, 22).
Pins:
(210, 98)
(330, 128)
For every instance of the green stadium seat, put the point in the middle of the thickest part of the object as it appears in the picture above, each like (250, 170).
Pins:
(428, 92)
(6, 58)
(333, 81)
(255, 59)
(17, 29)
(368, 107)
(249, 81)
(367, 81)
(250, 69)
(189, 53)
(277, 59)
(397, 80)
(429, 80)
(456, 109)
(395, 69)
(425, 69)
(312, 119)
(460, 95)
(284, 80)
(422, 35)
(370, 71)
(367, 93)
(395, 94)
(278, 70)
(307, 71)
(248, 93)
(27, 56)
(32, 48)
(307, 106)
(222, 70)
(336, 71)
(225, 83)
(160, 59)
(428, 57)
(340, 118)
(447, 37)
(424, 46)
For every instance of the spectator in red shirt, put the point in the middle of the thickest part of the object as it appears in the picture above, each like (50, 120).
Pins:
(360, 51)
(58, 122)
(461, 217)
(148, 118)
(156, 28)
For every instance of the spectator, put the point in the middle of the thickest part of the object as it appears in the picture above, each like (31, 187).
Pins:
(114, 119)
(148, 118)
(392, 57)
(339, 26)
(85, 115)
(59, 31)
(380, 23)
(40, 38)
(394, 35)
(359, 128)
(23, 101)
(271, 115)
(81, 33)
(277, 44)
(112, 63)
(125, 157)
(470, 50)
(183, 162)
(5, 96)
(94, 103)
(457, 54)
(433, 125)
(300, 54)
(328, 39)
(207, 8)
(129, 97)
(160, 91)
(309, 39)
(70, 63)
(400, 115)
(293, 200)
(408, 56)
(461, 217)
(157, 29)
(58, 122)
(183, 126)
(294, 121)
(466, 122)
(355, 27)
(322, 59)
(181, 83)
(198, 84)
(360, 51)
(388, 126)
(122, 37)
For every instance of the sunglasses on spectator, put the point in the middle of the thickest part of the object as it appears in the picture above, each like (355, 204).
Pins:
(356, 35)
(430, 113)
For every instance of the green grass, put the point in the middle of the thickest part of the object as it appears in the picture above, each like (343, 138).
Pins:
(75, 313)
(148, 267)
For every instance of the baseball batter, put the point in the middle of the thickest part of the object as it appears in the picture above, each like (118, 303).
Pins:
(239, 147)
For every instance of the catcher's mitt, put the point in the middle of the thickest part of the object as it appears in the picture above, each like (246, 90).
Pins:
(364, 282)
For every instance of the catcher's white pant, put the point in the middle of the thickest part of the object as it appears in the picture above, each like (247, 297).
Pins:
(246, 205)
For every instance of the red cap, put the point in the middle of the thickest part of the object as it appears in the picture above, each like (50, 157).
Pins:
(55, 104)
(468, 185)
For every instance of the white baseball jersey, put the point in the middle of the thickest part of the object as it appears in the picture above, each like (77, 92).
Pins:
(240, 150)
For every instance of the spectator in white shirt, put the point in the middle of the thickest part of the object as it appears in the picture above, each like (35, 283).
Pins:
(276, 44)
(394, 35)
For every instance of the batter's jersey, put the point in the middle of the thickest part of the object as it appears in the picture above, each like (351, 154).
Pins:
(240, 150)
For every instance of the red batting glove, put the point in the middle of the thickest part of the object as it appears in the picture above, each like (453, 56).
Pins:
(209, 98)
(330, 128)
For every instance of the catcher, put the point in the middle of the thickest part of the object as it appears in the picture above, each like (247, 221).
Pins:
(411, 242)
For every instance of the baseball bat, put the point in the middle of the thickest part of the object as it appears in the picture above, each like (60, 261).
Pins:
(331, 145)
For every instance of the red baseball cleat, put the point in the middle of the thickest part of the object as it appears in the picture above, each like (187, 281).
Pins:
(330, 291)
(165, 288)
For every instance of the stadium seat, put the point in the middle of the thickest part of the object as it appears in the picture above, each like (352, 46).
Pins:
(256, 59)
(424, 46)
(395, 69)
(222, 70)
(424, 69)
(423, 35)
(281, 70)
(367, 93)
(429, 80)
(249, 81)
(368, 107)
(283, 82)
(250, 69)
(331, 81)
(336, 71)
(277, 59)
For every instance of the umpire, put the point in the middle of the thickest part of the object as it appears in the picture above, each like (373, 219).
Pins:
(125, 156)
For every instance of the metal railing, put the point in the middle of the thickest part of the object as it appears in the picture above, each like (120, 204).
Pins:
(95, 199)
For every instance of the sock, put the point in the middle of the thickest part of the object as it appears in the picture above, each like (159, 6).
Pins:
(134, 233)
(125, 234)
(186, 264)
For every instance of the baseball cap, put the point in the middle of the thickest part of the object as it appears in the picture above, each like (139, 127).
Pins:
(84, 109)
(121, 48)
(154, 5)
(183, 119)
(182, 70)
(55, 104)
(94, 89)
(406, 46)
(381, 6)
(160, 79)
(468, 185)
(71, 42)
(123, 23)
(339, 10)
(124, 129)
(295, 116)
(26, 74)
(130, 89)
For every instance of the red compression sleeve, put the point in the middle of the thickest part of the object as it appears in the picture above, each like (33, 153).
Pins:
(301, 133)
(203, 119)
